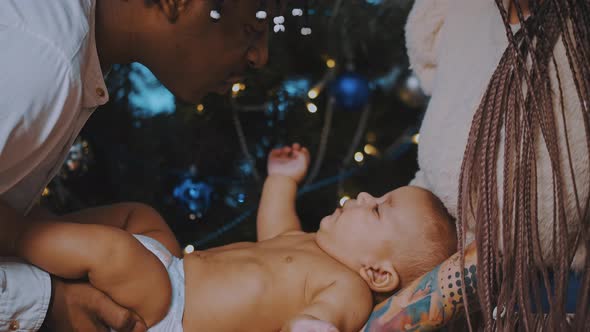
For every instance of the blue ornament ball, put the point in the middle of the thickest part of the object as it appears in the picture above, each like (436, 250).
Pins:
(350, 91)
(235, 197)
(195, 196)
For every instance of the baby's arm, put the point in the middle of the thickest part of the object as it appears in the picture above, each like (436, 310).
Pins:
(111, 258)
(344, 305)
(276, 213)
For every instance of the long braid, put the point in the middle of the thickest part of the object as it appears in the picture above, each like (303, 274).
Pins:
(584, 97)
(464, 213)
(485, 206)
(547, 125)
(506, 288)
(519, 100)
(514, 61)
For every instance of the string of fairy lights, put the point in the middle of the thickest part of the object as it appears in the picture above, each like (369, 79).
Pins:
(355, 159)
(396, 150)
(195, 196)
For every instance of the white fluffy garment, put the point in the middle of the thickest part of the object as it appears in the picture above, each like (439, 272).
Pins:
(454, 48)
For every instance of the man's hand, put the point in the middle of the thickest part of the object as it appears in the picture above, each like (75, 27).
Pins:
(306, 323)
(77, 306)
(291, 161)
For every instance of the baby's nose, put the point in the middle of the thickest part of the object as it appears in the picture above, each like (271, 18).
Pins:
(365, 197)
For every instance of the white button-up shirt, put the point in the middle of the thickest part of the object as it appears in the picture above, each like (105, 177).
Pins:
(50, 83)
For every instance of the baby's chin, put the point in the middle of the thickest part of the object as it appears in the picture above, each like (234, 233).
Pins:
(325, 220)
(329, 219)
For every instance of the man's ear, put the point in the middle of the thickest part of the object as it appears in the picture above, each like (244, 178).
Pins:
(380, 278)
(172, 8)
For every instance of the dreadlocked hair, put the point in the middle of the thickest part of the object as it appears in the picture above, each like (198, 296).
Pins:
(523, 108)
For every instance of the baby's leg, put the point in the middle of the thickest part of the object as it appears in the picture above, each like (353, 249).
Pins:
(112, 259)
(135, 218)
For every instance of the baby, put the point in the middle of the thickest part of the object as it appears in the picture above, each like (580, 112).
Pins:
(287, 281)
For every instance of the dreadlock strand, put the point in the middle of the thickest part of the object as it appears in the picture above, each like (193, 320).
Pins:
(464, 213)
(584, 96)
(566, 137)
(546, 123)
(506, 288)
(491, 193)
(572, 62)
(582, 309)
(485, 198)
(483, 229)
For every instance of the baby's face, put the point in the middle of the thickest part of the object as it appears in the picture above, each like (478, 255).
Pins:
(367, 229)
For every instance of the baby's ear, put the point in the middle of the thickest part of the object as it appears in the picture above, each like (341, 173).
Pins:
(380, 277)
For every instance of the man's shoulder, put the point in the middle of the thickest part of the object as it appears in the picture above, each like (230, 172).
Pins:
(59, 25)
(45, 50)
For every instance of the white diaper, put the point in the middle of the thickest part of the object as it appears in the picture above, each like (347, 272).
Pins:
(173, 320)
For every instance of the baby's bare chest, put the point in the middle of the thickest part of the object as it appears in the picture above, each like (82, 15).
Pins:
(260, 286)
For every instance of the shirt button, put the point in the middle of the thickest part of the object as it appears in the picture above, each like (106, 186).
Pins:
(100, 92)
(14, 325)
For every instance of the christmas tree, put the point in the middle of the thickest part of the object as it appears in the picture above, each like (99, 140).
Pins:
(345, 91)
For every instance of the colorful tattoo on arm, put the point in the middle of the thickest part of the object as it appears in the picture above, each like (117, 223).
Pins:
(431, 301)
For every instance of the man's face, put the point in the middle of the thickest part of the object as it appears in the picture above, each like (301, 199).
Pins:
(199, 56)
(368, 228)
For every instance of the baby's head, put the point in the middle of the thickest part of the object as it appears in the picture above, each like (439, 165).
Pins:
(389, 240)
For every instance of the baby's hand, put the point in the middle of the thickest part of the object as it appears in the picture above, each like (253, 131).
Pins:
(304, 323)
(291, 161)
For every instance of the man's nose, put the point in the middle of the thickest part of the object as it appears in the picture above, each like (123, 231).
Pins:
(257, 55)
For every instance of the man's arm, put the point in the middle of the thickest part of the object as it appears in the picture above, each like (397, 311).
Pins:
(11, 225)
(276, 213)
(20, 304)
(343, 305)
(112, 260)
(431, 301)
(110, 257)
(73, 306)
(37, 103)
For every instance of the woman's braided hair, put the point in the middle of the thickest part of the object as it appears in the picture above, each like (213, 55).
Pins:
(519, 101)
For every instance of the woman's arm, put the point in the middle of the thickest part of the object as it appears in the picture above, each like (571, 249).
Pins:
(431, 301)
